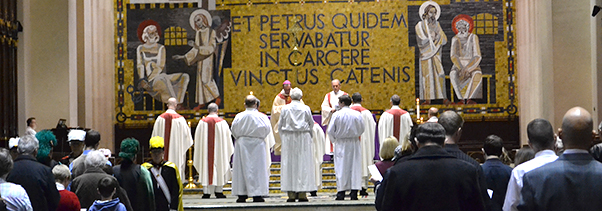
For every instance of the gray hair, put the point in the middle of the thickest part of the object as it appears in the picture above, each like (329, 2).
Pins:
(95, 159)
(28, 144)
(296, 94)
(6, 163)
(61, 173)
(212, 107)
(462, 23)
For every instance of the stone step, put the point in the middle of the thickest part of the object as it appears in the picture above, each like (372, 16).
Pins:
(328, 180)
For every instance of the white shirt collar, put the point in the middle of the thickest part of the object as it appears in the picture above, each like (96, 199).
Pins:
(575, 151)
(212, 115)
(250, 109)
(60, 186)
(169, 110)
(356, 104)
(547, 152)
(395, 107)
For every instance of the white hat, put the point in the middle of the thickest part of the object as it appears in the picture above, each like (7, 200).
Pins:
(13, 142)
(77, 135)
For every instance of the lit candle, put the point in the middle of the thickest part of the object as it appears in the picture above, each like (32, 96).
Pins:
(417, 108)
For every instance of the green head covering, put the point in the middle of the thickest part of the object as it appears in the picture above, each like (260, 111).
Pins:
(47, 140)
(129, 148)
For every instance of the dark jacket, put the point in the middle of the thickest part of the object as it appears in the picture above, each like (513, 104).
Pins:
(136, 180)
(113, 205)
(38, 180)
(497, 175)
(172, 180)
(432, 179)
(572, 182)
(85, 187)
(454, 150)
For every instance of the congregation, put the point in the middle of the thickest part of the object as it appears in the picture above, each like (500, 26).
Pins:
(421, 166)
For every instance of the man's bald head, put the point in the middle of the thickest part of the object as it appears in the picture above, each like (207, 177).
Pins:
(577, 125)
(433, 111)
(172, 103)
(212, 108)
(336, 85)
(251, 101)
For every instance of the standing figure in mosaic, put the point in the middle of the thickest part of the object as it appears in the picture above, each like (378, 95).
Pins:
(465, 53)
(150, 63)
(430, 39)
(202, 54)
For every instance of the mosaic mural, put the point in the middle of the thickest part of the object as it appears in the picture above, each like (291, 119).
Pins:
(453, 55)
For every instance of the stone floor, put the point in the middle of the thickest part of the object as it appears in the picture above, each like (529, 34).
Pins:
(324, 201)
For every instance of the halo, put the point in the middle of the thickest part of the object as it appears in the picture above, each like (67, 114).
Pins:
(144, 24)
(201, 12)
(463, 17)
(423, 7)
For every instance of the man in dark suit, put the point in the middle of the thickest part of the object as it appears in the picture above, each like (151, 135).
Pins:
(497, 174)
(36, 178)
(572, 182)
(86, 185)
(453, 122)
(432, 179)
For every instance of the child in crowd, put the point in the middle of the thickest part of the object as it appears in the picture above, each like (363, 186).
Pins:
(107, 187)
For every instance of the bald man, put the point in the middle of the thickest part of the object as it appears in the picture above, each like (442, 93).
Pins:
(250, 173)
(572, 182)
(433, 112)
(174, 130)
(329, 106)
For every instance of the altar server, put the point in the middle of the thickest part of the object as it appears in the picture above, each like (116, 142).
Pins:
(295, 127)
(345, 128)
(366, 139)
(250, 173)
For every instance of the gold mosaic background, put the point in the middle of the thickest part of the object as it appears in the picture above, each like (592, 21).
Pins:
(388, 48)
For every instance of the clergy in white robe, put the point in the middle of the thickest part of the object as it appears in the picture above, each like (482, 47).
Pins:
(394, 122)
(295, 127)
(212, 151)
(318, 142)
(366, 139)
(174, 129)
(345, 129)
(250, 176)
(283, 98)
(329, 106)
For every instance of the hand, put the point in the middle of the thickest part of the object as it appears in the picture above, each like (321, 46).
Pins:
(143, 84)
(373, 180)
(333, 110)
(191, 43)
(464, 74)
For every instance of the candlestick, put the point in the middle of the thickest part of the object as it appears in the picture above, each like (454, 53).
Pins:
(417, 109)
(190, 184)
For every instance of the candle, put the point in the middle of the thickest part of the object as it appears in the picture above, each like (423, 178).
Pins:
(417, 108)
